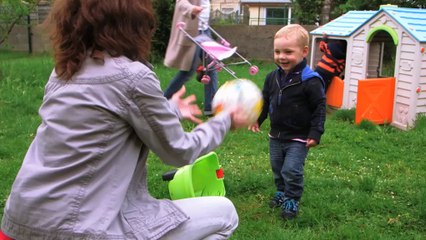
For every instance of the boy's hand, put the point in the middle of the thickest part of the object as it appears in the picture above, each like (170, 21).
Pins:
(254, 127)
(311, 143)
(323, 44)
(324, 37)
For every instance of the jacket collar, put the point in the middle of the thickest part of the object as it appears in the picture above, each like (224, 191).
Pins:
(296, 70)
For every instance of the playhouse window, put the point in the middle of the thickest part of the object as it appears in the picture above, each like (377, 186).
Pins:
(389, 52)
(277, 16)
(381, 60)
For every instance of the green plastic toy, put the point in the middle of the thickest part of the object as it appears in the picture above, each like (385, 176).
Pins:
(202, 178)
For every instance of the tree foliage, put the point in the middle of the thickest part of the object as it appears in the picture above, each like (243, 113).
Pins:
(306, 11)
(14, 12)
(11, 13)
(349, 5)
(164, 14)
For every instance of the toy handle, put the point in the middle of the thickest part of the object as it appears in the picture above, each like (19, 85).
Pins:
(180, 25)
(168, 176)
(225, 43)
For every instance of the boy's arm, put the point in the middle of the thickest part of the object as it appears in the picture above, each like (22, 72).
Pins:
(316, 99)
(323, 44)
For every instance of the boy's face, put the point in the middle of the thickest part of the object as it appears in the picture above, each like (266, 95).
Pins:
(288, 52)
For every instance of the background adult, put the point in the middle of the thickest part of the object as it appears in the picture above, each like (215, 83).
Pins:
(183, 54)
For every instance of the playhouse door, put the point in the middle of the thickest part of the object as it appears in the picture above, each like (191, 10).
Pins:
(375, 99)
(374, 59)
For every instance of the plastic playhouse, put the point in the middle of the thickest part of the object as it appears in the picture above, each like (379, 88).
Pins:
(385, 73)
(202, 178)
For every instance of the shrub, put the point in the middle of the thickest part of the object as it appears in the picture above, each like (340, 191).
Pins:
(164, 14)
(367, 125)
(420, 122)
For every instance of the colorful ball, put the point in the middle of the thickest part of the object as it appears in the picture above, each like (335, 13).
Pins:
(242, 92)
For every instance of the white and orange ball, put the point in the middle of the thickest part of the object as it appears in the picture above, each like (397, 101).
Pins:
(239, 92)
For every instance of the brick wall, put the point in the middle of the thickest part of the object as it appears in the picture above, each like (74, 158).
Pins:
(252, 42)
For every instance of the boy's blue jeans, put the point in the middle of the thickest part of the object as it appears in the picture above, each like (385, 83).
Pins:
(287, 162)
(183, 76)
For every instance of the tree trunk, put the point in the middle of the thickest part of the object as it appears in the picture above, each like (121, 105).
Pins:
(13, 20)
(325, 12)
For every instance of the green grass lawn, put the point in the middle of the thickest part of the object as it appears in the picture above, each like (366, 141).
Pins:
(362, 182)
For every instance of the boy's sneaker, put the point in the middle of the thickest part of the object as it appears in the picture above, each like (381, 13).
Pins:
(277, 200)
(290, 208)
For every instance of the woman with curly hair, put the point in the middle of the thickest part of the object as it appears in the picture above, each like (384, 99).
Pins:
(84, 175)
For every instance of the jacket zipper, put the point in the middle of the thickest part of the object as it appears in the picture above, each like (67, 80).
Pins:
(282, 89)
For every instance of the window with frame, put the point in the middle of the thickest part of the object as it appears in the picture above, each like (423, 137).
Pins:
(277, 16)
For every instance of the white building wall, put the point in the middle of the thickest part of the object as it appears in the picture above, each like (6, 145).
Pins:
(257, 16)
(225, 5)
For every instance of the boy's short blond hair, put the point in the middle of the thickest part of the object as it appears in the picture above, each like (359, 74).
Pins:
(296, 30)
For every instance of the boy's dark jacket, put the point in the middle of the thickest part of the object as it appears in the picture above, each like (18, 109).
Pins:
(295, 103)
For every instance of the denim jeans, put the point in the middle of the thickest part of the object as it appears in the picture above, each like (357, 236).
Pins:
(183, 76)
(210, 218)
(287, 162)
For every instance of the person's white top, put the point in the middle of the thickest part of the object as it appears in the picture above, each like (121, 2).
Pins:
(204, 15)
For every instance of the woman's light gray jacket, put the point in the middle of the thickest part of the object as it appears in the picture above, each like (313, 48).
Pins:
(84, 175)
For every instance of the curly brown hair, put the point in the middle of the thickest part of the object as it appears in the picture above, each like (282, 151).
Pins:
(119, 27)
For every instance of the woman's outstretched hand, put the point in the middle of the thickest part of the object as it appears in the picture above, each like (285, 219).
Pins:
(187, 106)
(239, 117)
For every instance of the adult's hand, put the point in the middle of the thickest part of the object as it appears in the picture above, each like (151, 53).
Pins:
(196, 10)
(239, 118)
(187, 107)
